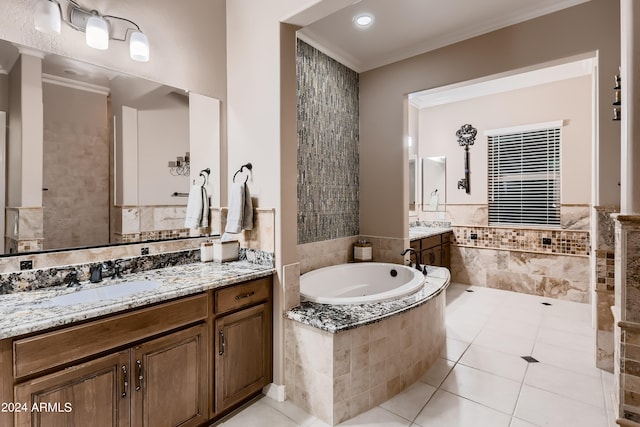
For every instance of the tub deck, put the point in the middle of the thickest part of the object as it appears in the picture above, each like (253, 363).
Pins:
(336, 318)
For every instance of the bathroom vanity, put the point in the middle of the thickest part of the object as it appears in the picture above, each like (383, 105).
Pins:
(183, 353)
(433, 244)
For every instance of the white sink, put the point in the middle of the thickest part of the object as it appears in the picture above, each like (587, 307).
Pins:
(102, 293)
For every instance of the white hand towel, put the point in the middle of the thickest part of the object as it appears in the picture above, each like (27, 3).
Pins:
(236, 208)
(194, 207)
(433, 202)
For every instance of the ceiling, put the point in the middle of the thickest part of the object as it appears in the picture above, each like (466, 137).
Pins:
(401, 29)
(405, 28)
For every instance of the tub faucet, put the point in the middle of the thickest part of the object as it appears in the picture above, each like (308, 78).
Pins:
(417, 266)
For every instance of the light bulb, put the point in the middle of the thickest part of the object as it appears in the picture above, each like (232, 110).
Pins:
(139, 47)
(97, 33)
(47, 17)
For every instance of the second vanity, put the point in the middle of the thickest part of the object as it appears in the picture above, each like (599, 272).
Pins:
(433, 244)
(186, 350)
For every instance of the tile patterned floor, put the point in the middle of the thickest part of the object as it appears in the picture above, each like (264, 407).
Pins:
(481, 379)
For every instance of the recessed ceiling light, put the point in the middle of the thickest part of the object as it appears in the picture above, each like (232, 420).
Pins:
(363, 20)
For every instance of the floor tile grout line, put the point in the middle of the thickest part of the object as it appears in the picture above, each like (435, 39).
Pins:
(434, 393)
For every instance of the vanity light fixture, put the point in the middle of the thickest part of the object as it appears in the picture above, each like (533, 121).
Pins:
(363, 20)
(99, 29)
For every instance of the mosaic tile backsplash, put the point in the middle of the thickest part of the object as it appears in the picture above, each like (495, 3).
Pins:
(328, 147)
(562, 242)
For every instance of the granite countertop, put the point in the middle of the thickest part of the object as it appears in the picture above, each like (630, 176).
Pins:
(336, 318)
(416, 233)
(26, 312)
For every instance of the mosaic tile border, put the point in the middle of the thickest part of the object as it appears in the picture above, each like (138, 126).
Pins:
(605, 270)
(562, 242)
(151, 235)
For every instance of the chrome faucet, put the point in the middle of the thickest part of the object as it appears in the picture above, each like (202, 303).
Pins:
(117, 269)
(417, 266)
(70, 279)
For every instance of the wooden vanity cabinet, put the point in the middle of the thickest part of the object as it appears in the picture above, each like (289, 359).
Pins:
(434, 250)
(179, 363)
(159, 381)
(242, 332)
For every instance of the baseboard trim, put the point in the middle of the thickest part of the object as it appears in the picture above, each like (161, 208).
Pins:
(275, 392)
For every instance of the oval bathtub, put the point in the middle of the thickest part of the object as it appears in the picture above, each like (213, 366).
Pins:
(360, 283)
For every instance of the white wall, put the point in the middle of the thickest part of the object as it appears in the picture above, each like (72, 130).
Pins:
(569, 100)
(163, 135)
(206, 148)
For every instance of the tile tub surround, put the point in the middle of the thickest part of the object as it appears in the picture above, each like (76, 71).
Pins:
(20, 312)
(343, 360)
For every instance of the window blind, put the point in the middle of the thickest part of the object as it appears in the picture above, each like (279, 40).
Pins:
(524, 177)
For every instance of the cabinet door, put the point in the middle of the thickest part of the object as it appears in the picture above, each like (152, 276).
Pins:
(95, 393)
(242, 354)
(446, 255)
(169, 380)
(432, 256)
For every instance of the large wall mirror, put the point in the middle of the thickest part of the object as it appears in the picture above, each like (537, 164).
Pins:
(433, 183)
(99, 173)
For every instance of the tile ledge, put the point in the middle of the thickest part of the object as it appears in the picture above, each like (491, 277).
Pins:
(626, 423)
(626, 218)
(629, 325)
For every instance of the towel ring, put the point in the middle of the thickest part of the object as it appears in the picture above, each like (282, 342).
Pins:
(248, 166)
(206, 171)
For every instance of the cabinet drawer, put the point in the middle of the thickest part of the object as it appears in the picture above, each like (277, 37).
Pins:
(429, 242)
(233, 297)
(47, 350)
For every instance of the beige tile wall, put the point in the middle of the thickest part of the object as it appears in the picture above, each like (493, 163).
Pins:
(338, 376)
(340, 251)
(627, 297)
(555, 276)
